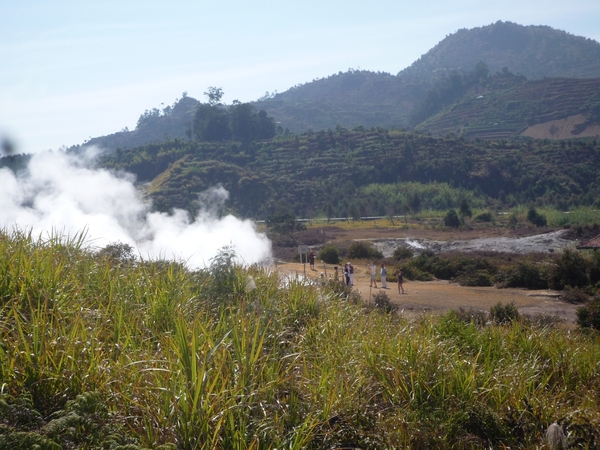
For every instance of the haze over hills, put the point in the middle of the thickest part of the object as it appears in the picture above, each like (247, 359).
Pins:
(359, 97)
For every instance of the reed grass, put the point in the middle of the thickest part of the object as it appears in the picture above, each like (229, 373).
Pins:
(176, 359)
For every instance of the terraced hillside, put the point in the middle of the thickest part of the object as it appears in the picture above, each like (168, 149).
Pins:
(316, 171)
(510, 109)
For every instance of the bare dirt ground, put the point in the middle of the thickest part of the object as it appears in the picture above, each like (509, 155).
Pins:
(440, 296)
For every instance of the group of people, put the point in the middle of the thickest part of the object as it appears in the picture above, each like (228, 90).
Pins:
(383, 273)
(348, 274)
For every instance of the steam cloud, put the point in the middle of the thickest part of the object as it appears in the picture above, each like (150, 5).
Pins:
(65, 194)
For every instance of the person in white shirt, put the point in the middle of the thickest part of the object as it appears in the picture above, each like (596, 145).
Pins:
(373, 275)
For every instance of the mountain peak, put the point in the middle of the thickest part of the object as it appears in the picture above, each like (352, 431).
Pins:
(535, 51)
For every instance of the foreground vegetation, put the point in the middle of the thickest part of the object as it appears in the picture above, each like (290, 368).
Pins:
(99, 350)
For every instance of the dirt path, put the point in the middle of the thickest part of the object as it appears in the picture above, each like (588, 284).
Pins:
(441, 296)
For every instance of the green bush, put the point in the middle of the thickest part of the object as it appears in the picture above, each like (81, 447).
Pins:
(476, 278)
(403, 253)
(451, 219)
(502, 314)
(588, 316)
(525, 275)
(414, 273)
(384, 303)
(363, 250)
(450, 266)
(329, 254)
(539, 220)
(570, 270)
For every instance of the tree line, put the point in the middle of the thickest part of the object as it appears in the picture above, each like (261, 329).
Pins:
(215, 121)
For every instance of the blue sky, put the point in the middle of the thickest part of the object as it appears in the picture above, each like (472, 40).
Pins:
(72, 70)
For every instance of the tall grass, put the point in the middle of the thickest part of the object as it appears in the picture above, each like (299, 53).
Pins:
(263, 365)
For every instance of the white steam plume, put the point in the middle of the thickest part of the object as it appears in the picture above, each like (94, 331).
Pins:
(63, 193)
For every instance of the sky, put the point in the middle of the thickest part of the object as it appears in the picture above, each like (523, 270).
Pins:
(72, 70)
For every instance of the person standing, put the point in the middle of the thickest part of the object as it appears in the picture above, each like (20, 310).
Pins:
(400, 276)
(351, 272)
(336, 275)
(383, 276)
(346, 275)
(311, 260)
(373, 275)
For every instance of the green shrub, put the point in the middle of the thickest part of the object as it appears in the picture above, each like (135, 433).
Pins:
(502, 314)
(415, 274)
(570, 270)
(384, 303)
(451, 219)
(450, 266)
(403, 253)
(539, 220)
(329, 254)
(588, 316)
(476, 278)
(525, 275)
(363, 250)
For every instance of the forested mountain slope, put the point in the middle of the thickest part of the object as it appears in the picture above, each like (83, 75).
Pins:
(329, 171)
(366, 98)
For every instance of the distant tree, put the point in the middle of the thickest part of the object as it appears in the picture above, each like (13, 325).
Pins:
(243, 123)
(247, 124)
(214, 95)
(354, 212)
(265, 126)
(329, 211)
(415, 203)
(211, 123)
(284, 222)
